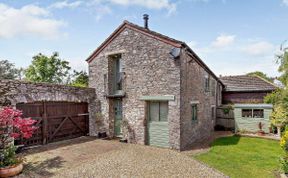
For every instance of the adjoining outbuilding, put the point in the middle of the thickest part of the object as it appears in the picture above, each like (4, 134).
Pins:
(245, 89)
(243, 107)
(252, 117)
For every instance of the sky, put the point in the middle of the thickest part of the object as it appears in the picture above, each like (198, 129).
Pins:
(233, 37)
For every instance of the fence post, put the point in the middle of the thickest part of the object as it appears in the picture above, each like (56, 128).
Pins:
(45, 124)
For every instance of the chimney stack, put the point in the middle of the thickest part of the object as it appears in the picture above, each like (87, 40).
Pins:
(146, 18)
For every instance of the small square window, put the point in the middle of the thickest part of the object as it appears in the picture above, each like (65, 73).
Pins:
(246, 112)
(258, 113)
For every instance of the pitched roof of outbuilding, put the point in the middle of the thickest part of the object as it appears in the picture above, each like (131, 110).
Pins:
(247, 83)
(153, 34)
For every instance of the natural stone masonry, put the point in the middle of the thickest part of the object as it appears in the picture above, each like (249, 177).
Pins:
(149, 70)
(14, 91)
(193, 90)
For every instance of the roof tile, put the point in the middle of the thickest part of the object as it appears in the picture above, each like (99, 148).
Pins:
(247, 83)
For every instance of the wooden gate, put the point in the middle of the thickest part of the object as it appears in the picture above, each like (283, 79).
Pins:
(56, 121)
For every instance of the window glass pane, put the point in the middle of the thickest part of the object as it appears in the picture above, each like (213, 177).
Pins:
(213, 113)
(118, 74)
(154, 111)
(207, 82)
(163, 111)
(258, 113)
(246, 112)
(194, 112)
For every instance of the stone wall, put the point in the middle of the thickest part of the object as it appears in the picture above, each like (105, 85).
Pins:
(13, 92)
(149, 70)
(193, 91)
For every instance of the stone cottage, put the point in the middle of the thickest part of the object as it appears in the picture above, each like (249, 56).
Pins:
(153, 89)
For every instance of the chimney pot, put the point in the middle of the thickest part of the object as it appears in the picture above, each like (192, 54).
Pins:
(146, 18)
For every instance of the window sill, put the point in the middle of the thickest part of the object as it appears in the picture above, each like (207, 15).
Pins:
(122, 95)
(194, 122)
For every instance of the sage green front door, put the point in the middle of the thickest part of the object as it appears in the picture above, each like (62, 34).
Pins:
(158, 130)
(117, 117)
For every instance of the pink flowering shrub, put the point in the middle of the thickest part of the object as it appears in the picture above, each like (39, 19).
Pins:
(12, 124)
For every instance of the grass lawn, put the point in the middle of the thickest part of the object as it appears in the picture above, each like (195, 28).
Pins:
(243, 156)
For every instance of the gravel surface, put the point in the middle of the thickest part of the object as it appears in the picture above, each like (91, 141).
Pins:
(100, 158)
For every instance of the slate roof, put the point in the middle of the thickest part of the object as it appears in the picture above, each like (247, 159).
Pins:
(153, 34)
(247, 83)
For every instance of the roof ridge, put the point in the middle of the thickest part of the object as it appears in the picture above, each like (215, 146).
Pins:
(265, 80)
(151, 31)
(244, 75)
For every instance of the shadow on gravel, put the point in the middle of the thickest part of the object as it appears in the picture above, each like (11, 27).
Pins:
(42, 169)
(56, 145)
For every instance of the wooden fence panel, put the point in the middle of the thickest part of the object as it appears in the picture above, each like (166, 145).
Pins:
(225, 117)
(56, 121)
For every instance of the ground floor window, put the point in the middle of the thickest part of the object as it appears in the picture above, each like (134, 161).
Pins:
(194, 112)
(253, 113)
(158, 111)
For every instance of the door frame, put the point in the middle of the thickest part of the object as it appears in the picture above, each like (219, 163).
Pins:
(114, 116)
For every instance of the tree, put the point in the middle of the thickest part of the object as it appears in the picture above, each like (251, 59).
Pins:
(48, 69)
(262, 75)
(274, 97)
(8, 70)
(282, 60)
(80, 79)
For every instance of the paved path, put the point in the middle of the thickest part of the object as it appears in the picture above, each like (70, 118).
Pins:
(86, 157)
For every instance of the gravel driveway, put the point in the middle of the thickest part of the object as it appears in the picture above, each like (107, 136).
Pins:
(87, 157)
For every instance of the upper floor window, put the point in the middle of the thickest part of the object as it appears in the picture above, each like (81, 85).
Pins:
(118, 65)
(207, 83)
(213, 87)
(117, 73)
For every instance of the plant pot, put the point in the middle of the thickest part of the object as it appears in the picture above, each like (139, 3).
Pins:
(261, 133)
(11, 170)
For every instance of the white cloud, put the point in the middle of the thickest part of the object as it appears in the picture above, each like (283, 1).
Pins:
(65, 4)
(223, 41)
(149, 4)
(243, 56)
(102, 10)
(28, 20)
(260, 48)
(285, 2)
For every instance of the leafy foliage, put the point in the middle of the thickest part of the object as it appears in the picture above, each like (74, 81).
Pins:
(282, 59)
(262, 75)
(48, 69)
(274, 97)
(9, 157)
(80, 79)
(8, 70)
(279, 116)
(284, 146)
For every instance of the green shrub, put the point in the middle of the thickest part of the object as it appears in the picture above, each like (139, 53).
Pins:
(8, 157)
(284, 164)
